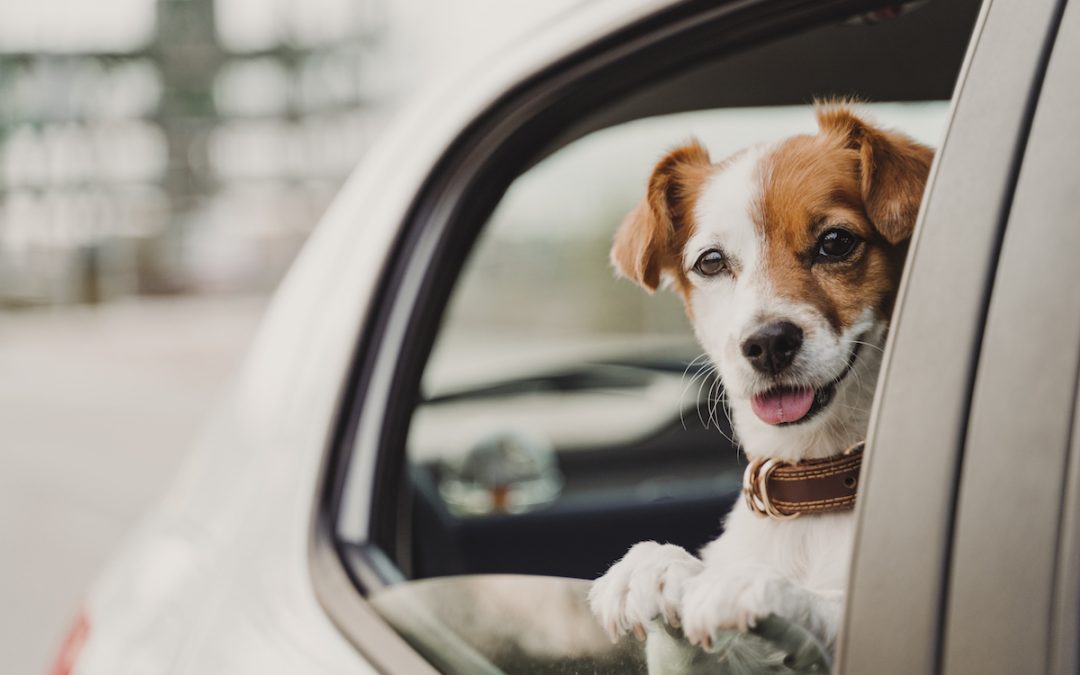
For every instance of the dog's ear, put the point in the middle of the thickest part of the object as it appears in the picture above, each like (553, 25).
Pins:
(892, 169)
(644, 240)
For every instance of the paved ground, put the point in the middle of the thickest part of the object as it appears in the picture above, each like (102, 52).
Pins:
(97, 407)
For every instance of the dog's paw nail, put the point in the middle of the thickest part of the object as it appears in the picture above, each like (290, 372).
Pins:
(612, 631)
(639, 632)
(673, 619)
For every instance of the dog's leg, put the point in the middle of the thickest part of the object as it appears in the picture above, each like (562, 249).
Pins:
(738, 595)
(794, 569)
(645, 584)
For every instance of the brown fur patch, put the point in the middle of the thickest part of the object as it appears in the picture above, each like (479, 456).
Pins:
(650, 239)
(850, 175)
(892, 169)
(853, 176)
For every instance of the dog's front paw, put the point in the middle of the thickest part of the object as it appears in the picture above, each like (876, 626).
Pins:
(732, 597)
(645, 584)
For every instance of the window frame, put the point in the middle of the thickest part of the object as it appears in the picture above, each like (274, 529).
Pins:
(466, 186)
(540, 113)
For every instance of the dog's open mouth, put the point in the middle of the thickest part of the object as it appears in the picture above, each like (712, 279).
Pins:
(793, 405)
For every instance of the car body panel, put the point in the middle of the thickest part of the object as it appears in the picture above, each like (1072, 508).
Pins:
(1064, 655)
(920, 417)
(1001, 590)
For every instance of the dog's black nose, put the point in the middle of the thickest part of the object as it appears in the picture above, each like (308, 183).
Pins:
(773, 347)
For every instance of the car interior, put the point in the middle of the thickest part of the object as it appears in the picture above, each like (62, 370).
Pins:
(558, 466)
(671, 482)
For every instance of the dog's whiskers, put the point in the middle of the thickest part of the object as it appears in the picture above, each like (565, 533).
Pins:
(700, 373)
(868, 344)
(712, 371)
(719, 401)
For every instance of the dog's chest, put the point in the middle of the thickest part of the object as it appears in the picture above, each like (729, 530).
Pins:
(813, 550)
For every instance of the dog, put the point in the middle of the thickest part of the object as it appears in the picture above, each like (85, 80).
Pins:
(787, 256)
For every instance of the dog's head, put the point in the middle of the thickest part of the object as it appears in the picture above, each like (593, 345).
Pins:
(788, 257)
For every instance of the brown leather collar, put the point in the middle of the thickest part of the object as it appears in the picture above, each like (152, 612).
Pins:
(782, 491)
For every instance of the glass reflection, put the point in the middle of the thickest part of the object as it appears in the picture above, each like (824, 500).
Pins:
(526, 625)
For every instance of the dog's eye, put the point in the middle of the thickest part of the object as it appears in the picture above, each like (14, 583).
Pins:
(710, 263)
(836, 244)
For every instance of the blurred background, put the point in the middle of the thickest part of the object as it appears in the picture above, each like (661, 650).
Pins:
(161, 163)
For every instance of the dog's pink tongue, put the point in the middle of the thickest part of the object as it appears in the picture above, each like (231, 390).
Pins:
(784, 405)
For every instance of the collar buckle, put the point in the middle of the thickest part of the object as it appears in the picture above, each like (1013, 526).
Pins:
(756, 488)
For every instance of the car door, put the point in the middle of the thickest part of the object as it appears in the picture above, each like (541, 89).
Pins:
(358, 547)
(956, 547)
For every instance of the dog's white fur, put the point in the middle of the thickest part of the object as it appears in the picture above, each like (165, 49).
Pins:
(797, 568)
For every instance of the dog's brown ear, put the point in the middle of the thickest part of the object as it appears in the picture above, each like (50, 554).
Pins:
(892, 169)
(644, 240)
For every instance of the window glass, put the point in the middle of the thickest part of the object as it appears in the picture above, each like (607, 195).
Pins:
(493, 625)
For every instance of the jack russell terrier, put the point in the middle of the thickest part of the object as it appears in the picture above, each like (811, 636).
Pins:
(787, 257)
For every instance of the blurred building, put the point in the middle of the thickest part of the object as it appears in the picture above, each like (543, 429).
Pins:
(160, 146)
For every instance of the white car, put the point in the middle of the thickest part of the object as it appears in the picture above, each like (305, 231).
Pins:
(325, 520)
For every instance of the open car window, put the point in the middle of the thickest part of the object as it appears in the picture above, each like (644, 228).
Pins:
(565, 415)
(557, 391)
(550, 415)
